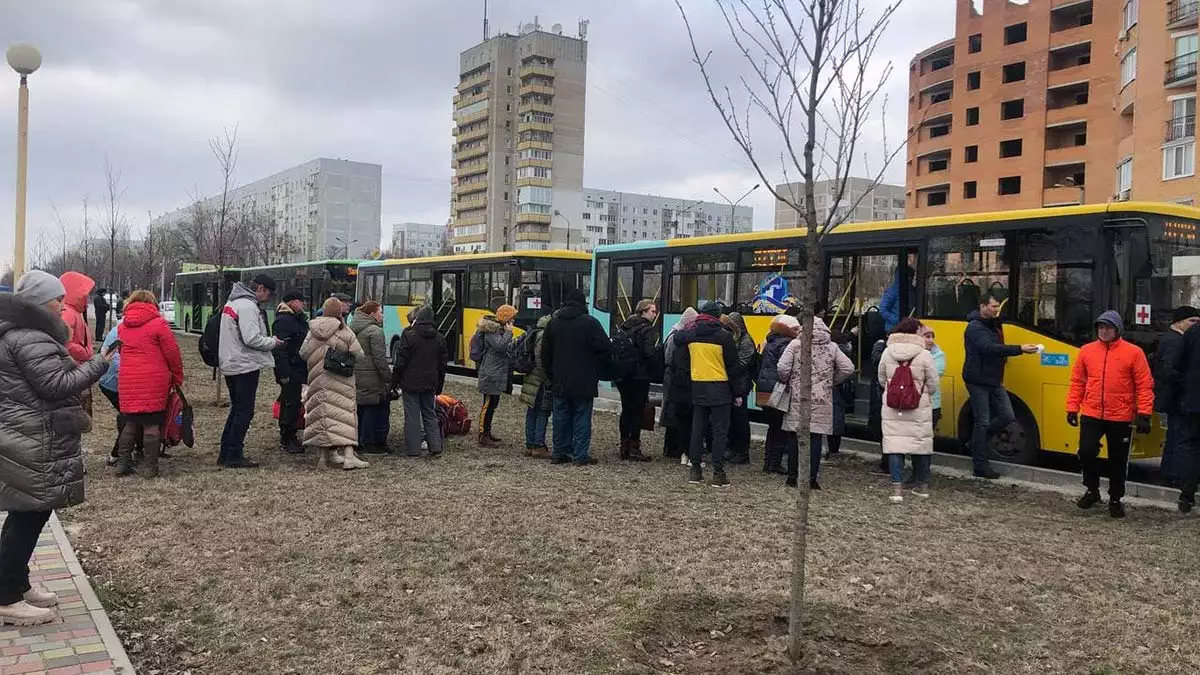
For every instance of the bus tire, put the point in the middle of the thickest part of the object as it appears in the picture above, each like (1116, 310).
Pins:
(1020, 443)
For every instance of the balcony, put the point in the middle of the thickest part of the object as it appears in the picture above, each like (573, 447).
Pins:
(529, 89)
(1070, 36)
(470, 188)
(1059, 116)
(932, 111)
(534, 145)
(472, 81)
(464, 205)
(471, 239)
(535, 107)
(524, 235)
(543, 218)
(1062, 195)
(530, 161)
(1182, 13)
(1181, 71)
(533, 181)
(465, 169)
(464, 120)
(535, 126)
(1070, 75)
(530, 71)
(472, 220)
(1180, 128)
(464, 136)
(1074, 154)
(468, 153)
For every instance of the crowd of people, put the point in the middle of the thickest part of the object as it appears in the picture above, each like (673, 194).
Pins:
(336, 387)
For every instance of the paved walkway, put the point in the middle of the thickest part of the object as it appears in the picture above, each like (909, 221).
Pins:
(82, 640)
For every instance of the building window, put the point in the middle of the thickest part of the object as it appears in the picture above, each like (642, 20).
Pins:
(1129, 15)
(974, 80)
(969, 189)
(975, 43)
(1128, 67)
(1012, 110)
(1014, 72)
(940, 164)
(1018, 32)
(1179, 161)
(939, 130)
(972, 116)
(1011, 148)
(1009, 185)
(587, 216)
(936, 197)
(1124, 178)
(1183, 119)
(971, 154)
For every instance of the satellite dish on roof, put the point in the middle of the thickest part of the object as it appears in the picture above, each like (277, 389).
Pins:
(527, 29)
(556, 29)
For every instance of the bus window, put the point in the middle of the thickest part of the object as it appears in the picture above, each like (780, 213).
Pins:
(600, 302)
(499, 288)
(421, 287)
(478, 287)
(701, 278)
(960, 269)
(1056, 275)
(397, 290)
(769, 280)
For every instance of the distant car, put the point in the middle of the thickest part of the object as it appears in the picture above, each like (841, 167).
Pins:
(167, 309)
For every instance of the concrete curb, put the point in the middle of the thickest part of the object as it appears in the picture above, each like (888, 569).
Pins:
(104, 627)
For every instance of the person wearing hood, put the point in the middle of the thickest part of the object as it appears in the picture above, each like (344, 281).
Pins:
(420, 374)
(642, 367)
(708, 354)
(908, 431)
(493, 367)
(245, 349)
(110, 387)
(575, 350)
(151, 366)
(677, 397)
(41, 423)
(535, 394)
(372, 377)
(291, 372)
(783, 330)
(830, 367)
(748, 362)
(983, 373)
(74, 314)
(1168, 387)
(330, 408)
(100, 309)
(1112, 392)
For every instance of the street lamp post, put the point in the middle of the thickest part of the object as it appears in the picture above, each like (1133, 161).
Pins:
(25, 59)
(347, 244)
(560, 215)
(732, 204)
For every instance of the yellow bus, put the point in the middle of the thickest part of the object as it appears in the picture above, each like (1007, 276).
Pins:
(463, 288)
(1053, 269)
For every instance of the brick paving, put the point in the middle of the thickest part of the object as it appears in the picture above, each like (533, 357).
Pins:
(82, 639)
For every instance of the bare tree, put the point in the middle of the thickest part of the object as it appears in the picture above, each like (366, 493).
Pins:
(85, 235)
(224, 149)
(810, 78)
(40, 257)
(116, 227)
(64, 235)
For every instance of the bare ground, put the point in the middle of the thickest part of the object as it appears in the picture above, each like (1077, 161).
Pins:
(490, 562)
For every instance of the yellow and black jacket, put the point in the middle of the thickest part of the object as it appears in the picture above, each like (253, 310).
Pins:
(707, 354)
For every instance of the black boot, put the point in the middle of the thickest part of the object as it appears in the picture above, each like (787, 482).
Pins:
(624, 452)
(152, 451)
(124, 463)
(635, 451)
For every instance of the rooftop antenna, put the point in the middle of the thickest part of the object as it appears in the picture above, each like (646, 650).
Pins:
(485, 21)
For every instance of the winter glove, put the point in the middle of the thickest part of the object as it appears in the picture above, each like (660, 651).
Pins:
(1143, 424)
(1073, 419)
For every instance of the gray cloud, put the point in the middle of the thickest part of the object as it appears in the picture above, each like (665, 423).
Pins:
(145, 83)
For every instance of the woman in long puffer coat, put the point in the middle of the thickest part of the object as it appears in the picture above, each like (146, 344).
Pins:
(783, 330)
(490, 352)
(330, 407)
(908, 432)
(41, 422)
(830, 367)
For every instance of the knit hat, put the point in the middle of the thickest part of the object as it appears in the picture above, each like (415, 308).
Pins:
(293, 294)
(713, 309)
(506, 313)
(264, 281)
(38, 287)
(1183, 313)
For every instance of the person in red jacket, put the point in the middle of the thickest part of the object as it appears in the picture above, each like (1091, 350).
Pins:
(74, 314)
(151, 366)
(1111, 387)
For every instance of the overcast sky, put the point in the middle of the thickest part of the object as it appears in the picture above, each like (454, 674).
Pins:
(146, 83)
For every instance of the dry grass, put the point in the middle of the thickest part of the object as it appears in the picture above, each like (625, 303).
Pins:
(489, 562)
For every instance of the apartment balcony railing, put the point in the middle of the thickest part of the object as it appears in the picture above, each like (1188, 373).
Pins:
(1180, 12)
(1180, 128)
(1180, 68)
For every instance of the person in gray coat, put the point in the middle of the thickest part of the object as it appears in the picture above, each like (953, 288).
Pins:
(489, 351)
(245, 349)
(372, 376)
(41, 421)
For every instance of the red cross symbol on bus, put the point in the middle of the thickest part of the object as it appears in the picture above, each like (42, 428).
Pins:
(1143, 315)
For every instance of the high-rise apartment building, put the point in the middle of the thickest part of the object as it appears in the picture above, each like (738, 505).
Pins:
(611, 217)
(863, 201)
(324, 208)
(518, 147)
(1055, 102)
(417, 240)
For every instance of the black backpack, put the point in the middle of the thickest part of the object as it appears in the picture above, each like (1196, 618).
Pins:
(524, 356)
(210, 341)
(626, 354)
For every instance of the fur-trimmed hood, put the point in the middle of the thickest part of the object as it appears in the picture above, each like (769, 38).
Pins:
(16, 314)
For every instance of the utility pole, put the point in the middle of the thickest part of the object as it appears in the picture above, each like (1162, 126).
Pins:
(734, 204)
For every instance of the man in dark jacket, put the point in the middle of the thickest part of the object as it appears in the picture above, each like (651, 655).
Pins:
(420, 373)
(101, 308)
(983, 373)
(575, 350)
(291, 371)
(708, 353)
(1187, 374)
(641, 329)
(1167, 389)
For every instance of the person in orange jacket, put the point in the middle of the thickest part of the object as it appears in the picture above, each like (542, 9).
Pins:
(1111, 387)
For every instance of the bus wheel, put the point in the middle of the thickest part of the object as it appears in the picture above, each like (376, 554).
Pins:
(1018, 443)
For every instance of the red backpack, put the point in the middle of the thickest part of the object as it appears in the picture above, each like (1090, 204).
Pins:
(902, 392)
(453, 418)
(177, 424)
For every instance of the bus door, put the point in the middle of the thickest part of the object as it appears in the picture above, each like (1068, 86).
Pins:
(447, 308)
(197, 314)
(632, 282)
(867, 293)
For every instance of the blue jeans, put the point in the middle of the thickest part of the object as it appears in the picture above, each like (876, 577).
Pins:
(992, 412)
(920, 463)
(536, 419)
(242, 390)
(1170, 467)
(573, 427)
(374, 424)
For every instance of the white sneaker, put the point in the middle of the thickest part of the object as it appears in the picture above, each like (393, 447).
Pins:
(684, 461)
(41, 598)
(24, 614)
(896, 499)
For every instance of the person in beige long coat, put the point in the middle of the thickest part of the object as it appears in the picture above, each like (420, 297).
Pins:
(908, 432)
(330, 409)
(830, 367)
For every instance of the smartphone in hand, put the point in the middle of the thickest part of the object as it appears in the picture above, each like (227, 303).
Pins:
(114, 347)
